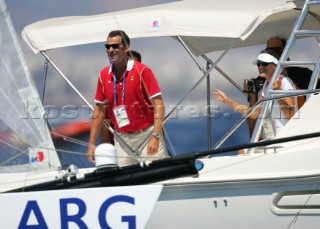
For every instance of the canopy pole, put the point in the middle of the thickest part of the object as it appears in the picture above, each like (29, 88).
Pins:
(191, 54)
(66, 79)
(208, 108)
(45, 73)
(206, 73)
(209, 61)
(127, 147)
(225, 75)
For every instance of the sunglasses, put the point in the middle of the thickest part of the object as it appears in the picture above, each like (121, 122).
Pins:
(114, 46)
(264, 64)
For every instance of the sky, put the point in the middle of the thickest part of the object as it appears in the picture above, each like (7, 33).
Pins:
(175, 70)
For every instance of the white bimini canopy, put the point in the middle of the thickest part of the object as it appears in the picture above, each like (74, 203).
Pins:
(205, 25)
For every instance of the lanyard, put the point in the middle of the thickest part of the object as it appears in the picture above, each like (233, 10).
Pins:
(115, 88)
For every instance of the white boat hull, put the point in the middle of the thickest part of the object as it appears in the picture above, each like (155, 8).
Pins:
(282, 203)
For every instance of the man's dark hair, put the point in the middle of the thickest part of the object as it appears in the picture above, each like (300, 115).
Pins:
(282, 39)
(125, 38)
(135, 54)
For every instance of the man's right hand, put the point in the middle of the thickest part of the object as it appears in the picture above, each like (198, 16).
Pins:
(90, 154)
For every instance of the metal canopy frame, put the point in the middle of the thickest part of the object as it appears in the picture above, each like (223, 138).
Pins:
(206, 75)
(214, 65)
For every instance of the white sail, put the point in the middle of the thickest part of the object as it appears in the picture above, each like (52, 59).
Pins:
(25, 139)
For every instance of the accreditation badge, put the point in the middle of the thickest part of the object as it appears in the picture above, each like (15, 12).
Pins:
(121, 116)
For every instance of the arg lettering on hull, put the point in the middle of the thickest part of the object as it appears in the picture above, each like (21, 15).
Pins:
(112, 207)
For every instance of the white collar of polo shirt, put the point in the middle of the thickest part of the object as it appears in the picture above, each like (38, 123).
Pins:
(129, 65)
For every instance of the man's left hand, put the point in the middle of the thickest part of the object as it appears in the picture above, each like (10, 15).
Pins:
(153, 146)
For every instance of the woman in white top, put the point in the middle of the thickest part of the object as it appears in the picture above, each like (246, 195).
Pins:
(282, 109)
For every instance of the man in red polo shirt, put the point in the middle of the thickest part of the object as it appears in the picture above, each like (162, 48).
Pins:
(105, 135)
(128, 94)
